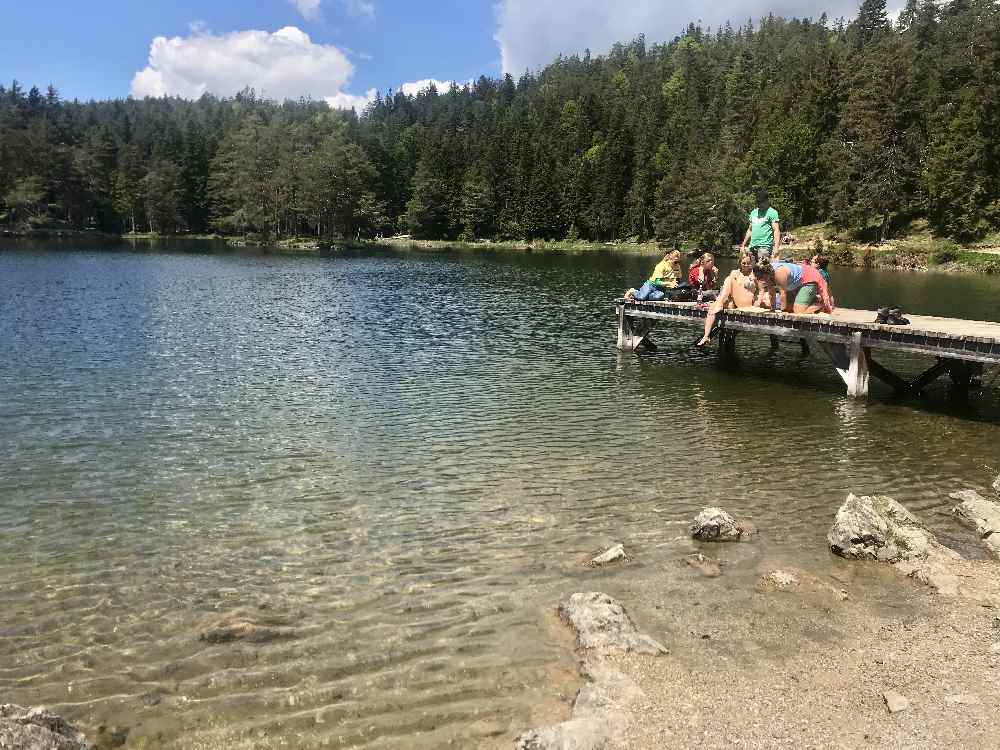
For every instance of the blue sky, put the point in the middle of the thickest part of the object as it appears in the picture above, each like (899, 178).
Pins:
(335, 49)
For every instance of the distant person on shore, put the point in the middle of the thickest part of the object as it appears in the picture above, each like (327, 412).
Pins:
(804, 287)
(764, 234)
(703, 277)
(740, 289)
(665, 276)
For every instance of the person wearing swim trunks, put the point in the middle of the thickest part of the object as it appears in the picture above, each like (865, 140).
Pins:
(764, 232)
(740, 289)
(664, 277)
(803, 288)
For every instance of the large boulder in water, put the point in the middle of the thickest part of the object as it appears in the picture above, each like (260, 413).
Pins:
(37, 729)
(602, 623)
(876, 527)
(716, 525)
(981, 514)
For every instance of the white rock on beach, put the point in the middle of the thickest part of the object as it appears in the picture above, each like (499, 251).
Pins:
(981, 514)
(601, 623)
(716, 525)
(895, 702)
(37, 729)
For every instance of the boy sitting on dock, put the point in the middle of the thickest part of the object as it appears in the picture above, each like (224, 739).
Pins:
(665, 276)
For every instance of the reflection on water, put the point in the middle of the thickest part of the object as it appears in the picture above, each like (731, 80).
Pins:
(403, 458)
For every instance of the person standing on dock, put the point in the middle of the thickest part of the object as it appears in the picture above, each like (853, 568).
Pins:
(665, 276)
(764, 232)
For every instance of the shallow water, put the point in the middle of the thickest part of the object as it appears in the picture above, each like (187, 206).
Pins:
(403, 457)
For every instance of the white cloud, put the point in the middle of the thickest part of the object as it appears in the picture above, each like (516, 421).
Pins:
(285, 64)
(415, 87)
(308, 8)
(351, 101)
(530, 33)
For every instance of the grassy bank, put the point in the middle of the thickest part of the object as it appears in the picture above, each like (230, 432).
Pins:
(913, 250)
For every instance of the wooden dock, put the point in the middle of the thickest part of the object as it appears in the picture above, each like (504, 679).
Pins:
(960, 347)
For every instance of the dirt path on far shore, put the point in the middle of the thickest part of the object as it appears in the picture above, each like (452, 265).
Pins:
(803, 667)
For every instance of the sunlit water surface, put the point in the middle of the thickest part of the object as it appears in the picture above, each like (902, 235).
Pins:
(403, 458)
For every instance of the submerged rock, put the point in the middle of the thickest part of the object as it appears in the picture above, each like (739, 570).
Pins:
(981, 514)
(37, 729)
(778, 579)
(243, 625)
(601, 623)
(612, 554)
(716, 525)
(876, 527)
(705, 565)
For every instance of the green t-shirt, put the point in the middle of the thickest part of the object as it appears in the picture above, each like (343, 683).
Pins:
(762, 227)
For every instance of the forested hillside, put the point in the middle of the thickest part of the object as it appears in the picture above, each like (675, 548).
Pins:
(864, 124)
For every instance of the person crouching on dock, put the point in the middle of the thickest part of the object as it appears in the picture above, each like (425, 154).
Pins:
(665, 276)
(803, 286)
(740, 289)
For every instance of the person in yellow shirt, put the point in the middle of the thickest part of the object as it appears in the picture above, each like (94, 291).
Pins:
(665, 276)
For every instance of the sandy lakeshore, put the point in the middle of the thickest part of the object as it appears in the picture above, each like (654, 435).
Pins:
(809, 664)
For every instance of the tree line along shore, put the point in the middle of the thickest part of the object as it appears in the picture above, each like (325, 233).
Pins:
(872, 127)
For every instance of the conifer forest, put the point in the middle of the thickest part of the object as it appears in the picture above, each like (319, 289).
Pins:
(867, 124)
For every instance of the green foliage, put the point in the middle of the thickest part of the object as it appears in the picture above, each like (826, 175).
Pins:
(863, 125)
(943, 251)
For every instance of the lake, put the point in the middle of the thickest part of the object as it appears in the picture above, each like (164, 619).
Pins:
(403, 458)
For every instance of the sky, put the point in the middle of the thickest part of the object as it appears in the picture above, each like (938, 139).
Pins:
(338, 50)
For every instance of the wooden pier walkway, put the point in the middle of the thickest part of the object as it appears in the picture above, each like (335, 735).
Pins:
(961, 347)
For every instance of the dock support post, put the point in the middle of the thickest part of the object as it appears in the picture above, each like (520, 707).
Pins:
(962, 375)
(633, 334)
(851, 361)
(727, 345)
(622, 323)
(857, 372)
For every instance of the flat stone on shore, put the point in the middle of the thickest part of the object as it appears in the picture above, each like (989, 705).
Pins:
(601, 623)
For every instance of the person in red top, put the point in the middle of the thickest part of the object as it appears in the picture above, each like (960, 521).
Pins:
(704, 276)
